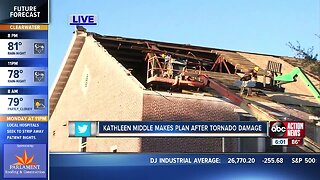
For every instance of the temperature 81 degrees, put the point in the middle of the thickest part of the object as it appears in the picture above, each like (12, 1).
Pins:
(14, 45)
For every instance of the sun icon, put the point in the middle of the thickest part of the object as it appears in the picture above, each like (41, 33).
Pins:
(25, 160)
(38, 104)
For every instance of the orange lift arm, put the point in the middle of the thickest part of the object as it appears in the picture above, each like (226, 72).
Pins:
(254, 110)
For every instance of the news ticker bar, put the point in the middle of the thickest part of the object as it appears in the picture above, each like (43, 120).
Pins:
(184, 166)
(183, 129)
(145, 159)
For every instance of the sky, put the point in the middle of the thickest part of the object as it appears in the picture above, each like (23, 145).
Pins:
(261, 26)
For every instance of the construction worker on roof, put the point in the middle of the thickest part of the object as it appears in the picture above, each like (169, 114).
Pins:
(248, 75)
(170, 67)
(166, 58)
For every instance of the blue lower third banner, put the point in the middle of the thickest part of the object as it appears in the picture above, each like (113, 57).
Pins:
(184, 166)
(167, 129)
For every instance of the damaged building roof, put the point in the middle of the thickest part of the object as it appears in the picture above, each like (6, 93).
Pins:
(224, 66)
(131, 53)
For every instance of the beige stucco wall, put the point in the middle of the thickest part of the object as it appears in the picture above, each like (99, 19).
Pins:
(99, 88)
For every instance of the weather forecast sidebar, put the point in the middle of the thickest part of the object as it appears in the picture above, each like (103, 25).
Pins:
(24, 90)
(24, 101)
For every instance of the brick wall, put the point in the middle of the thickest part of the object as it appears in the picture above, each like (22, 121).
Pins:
(162, 106)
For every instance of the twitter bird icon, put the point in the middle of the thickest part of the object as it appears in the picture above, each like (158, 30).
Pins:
(82, 129)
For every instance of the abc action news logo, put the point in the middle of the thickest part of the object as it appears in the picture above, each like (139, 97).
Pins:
(279, 129)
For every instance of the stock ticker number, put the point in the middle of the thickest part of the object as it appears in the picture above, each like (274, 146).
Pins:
(272, 160)
(241, 160)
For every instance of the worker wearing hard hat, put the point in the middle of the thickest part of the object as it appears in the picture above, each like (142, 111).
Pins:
(166, 58)
(248, 75)
(251, 73)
